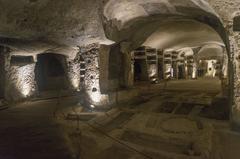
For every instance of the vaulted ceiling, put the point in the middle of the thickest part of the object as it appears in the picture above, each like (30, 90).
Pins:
(36, 24)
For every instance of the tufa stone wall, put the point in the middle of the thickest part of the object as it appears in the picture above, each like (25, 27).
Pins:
(74, 74)
(227, 10)
(91, 84)
(20, 81)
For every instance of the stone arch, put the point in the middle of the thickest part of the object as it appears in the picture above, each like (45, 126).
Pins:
(123, 19)
(235, 14)
(130, 23)
(141, 15)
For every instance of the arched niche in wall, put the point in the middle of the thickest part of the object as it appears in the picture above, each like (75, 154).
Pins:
(51, 72)
(17, 60)
(236, 23)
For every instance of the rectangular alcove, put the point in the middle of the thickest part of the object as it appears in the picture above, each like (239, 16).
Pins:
(21, 60)
(236, 23)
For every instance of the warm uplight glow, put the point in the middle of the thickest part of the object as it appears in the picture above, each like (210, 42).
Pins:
(26, 89)
(74, 75)
(172, 72)
(153, 70)
(97, 98)
(25, 77)
(211, 71)
(167, 70)
(92, 106)
(75, 83)
(194, 73)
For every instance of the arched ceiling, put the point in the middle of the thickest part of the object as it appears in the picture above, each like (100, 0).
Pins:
(180, 34)
(210, 51)
(187, 51)
(125, 11)
(134, 21)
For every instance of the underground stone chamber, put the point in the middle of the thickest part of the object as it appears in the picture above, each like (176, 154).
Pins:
(171, 48)
(119, 79)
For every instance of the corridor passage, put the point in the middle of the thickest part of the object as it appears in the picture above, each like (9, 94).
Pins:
(120, 79)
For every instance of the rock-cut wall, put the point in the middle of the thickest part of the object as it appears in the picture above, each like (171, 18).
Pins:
(227, 10)
(19, 80)
(91, 83)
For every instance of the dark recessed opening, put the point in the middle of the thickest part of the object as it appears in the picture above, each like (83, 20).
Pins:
(94, 90)
(21, 60)
(50, 72)
(140, 70)
(236, 23)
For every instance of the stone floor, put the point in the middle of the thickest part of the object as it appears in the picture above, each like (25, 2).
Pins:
(167, 124)
(29, 131)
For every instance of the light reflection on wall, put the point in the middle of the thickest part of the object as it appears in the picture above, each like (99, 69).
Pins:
(96, 97)
(167, 70)
(194, 73)
(90, 54)
(152, 70)
(25, 80)
(211, 70)
(74, 75)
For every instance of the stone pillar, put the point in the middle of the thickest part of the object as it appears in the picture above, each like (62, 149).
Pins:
(234, 72)
(128, 73)
(174, 65)
(225, 66)
(167, 66)
(152, 64)
(104, 68)
(91, 56)
(127, 65)
(194, 71)
(181, 63)
(186, 67)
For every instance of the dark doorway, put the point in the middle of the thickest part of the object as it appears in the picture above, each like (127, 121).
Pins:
(181, 72)
(2, 76)
(51, 72)
(140, 70)
(160, 71)
(236, 23)
(174, 67)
